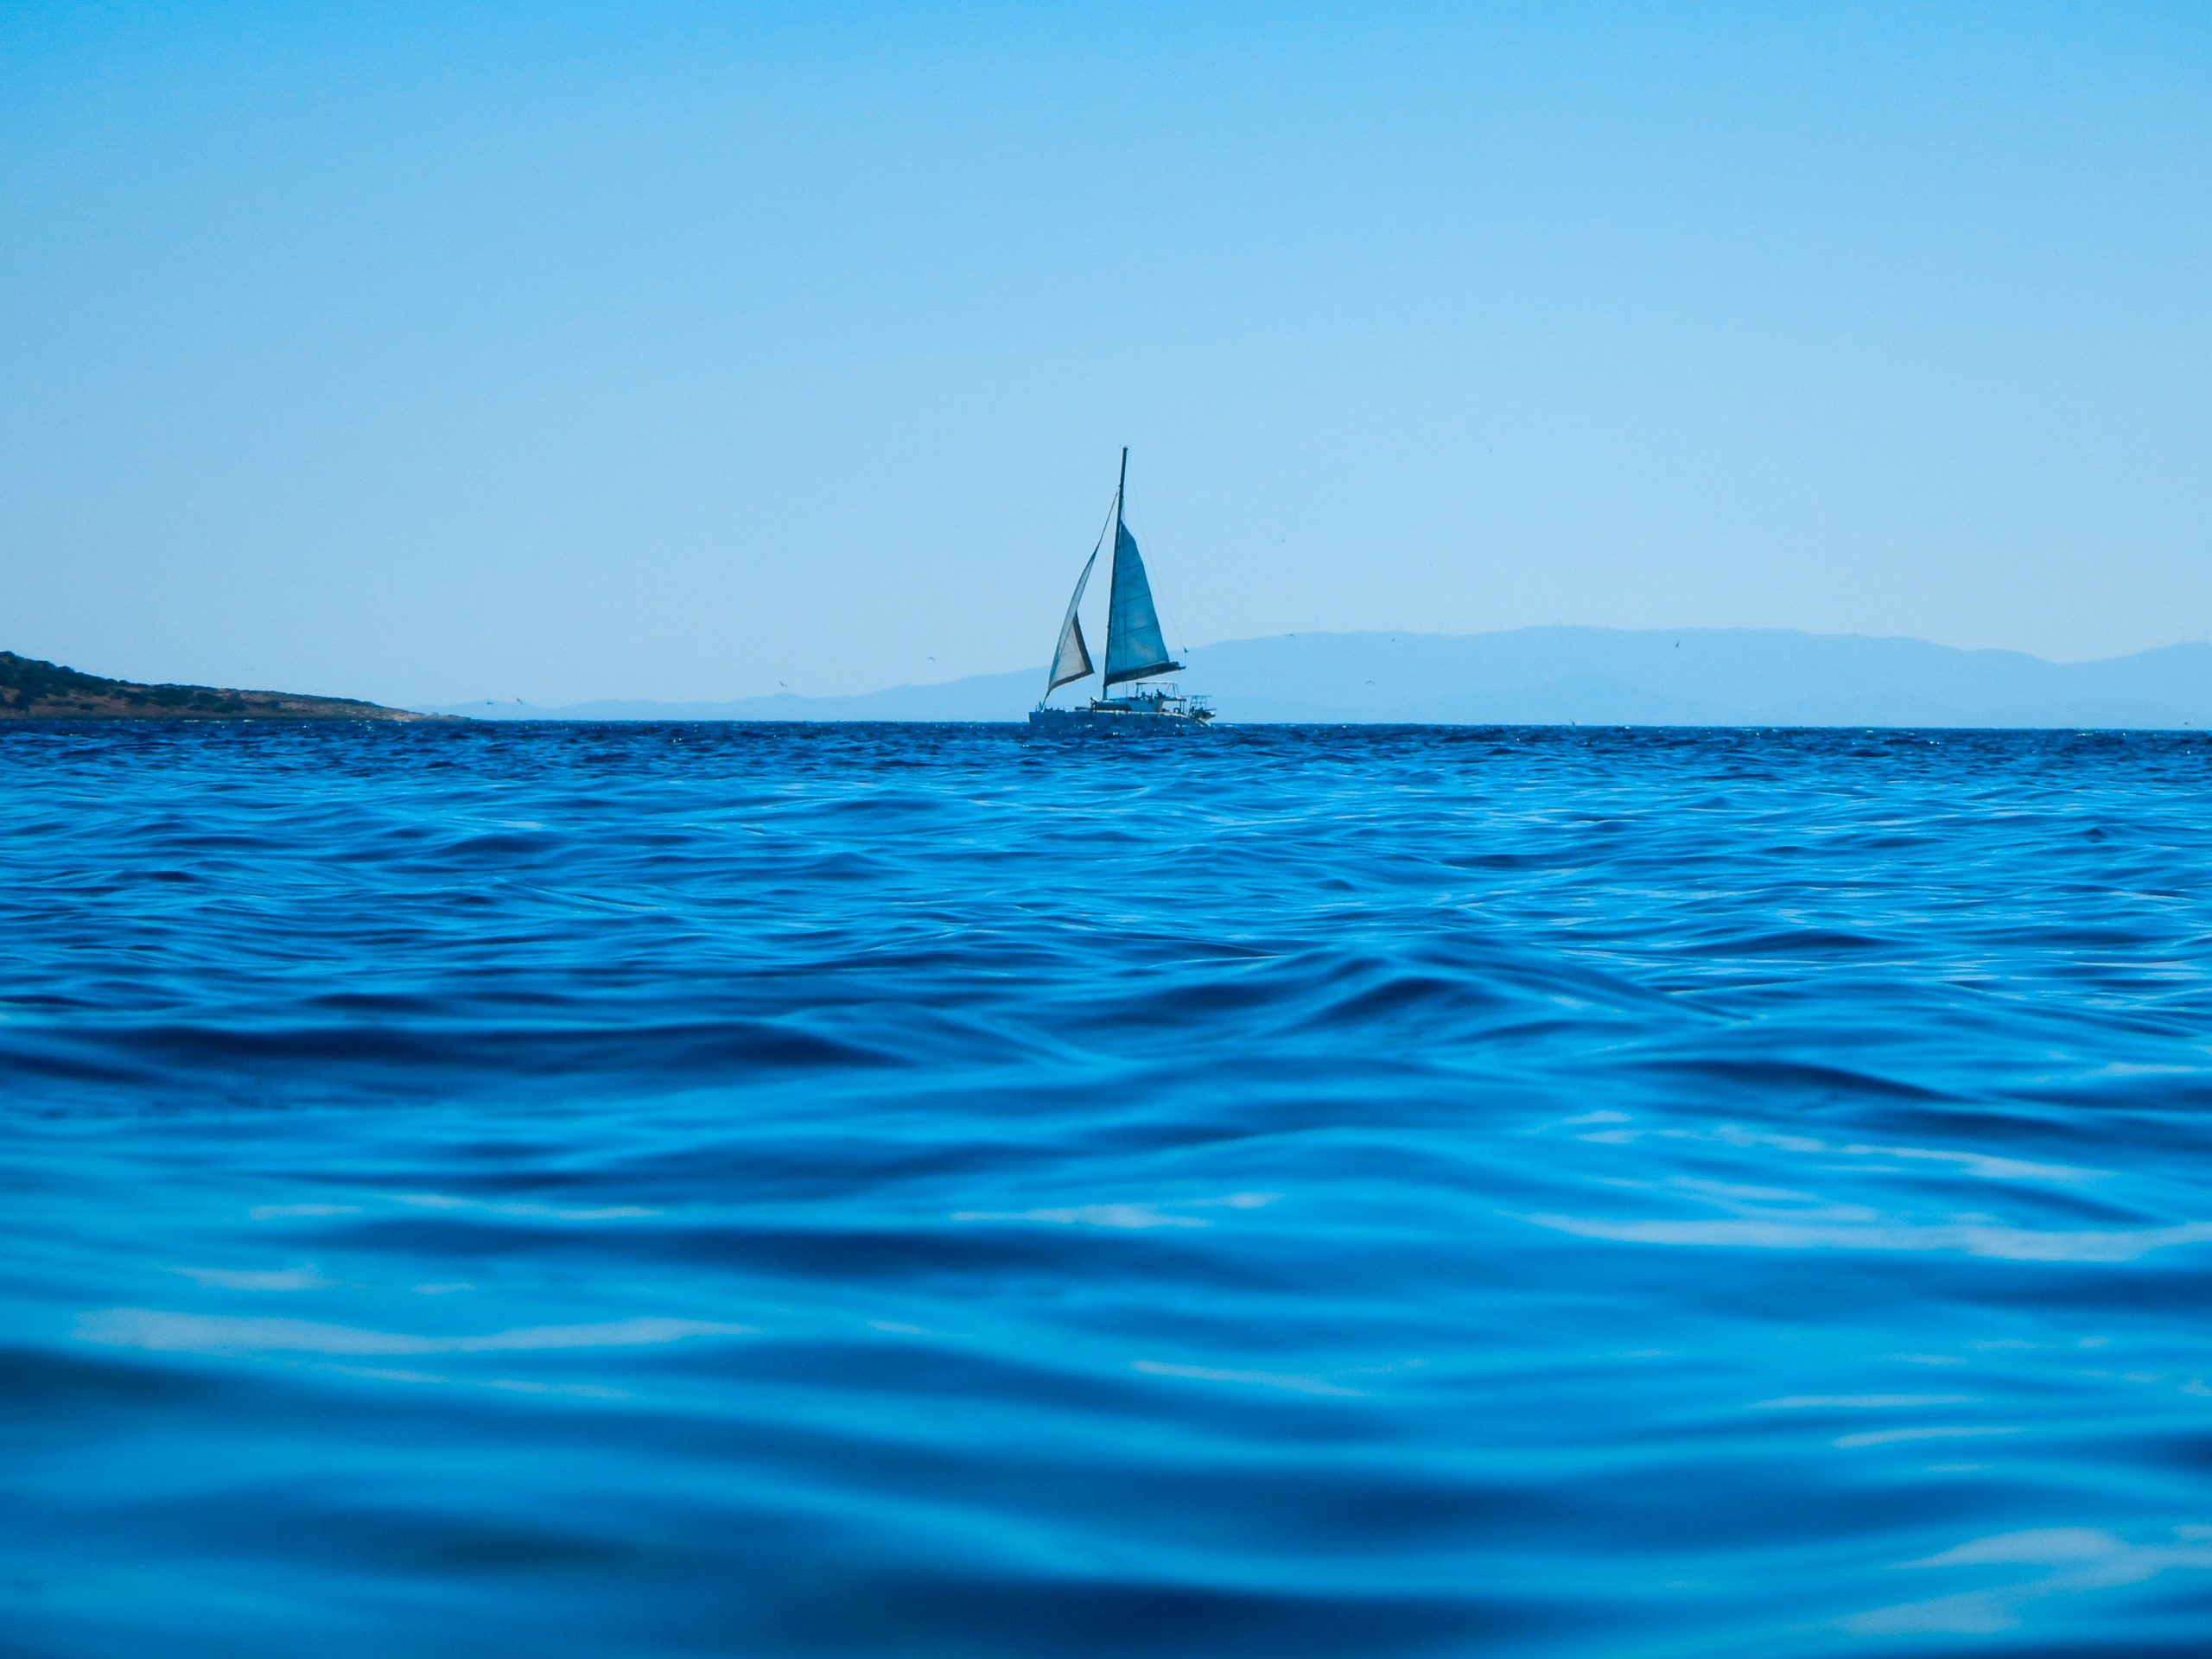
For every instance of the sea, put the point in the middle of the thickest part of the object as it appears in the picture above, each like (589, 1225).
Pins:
(634, 1190)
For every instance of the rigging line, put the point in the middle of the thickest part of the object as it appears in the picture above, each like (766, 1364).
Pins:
(1095, 549)
(1113, 576)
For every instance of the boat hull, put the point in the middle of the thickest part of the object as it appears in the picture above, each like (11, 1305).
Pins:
(1118, 723)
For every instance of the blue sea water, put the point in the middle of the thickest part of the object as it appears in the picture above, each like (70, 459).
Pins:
(699, 1190)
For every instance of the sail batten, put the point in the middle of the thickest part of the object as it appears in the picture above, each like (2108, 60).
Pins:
(1134, 649)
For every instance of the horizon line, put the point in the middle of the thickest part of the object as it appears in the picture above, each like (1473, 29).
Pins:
(1328, 633)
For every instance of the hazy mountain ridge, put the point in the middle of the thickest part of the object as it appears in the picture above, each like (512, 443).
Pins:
(1558, 676)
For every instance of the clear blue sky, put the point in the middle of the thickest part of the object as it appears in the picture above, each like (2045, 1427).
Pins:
(428, 352)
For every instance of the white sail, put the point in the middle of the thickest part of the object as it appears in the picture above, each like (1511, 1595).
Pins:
(1135, 650)
(1072, 660)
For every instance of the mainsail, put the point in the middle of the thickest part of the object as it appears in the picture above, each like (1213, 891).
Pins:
(1072, 660)
(1135, 650)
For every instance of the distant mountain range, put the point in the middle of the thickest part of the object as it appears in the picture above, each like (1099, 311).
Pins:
(1562, 676)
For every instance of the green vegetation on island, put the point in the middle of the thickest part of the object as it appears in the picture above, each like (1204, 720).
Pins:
(31, 689)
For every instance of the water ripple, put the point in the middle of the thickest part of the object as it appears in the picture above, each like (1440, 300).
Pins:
(903, 1191)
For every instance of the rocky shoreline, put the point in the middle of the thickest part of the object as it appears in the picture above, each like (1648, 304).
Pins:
(31, 689)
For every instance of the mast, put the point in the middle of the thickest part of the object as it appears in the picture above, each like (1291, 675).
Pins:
(1106, 645)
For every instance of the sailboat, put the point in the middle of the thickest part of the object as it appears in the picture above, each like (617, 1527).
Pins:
(1135, 651)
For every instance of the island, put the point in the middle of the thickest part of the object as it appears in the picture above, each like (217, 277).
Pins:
(31, 689)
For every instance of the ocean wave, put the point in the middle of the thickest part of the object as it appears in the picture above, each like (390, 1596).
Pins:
(880, 1191)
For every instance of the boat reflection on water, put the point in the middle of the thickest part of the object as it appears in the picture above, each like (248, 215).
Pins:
(1135, 651)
